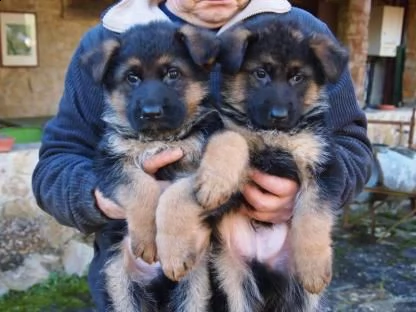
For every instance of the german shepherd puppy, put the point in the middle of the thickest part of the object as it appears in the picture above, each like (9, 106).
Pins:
(274, 109)
(156, 82)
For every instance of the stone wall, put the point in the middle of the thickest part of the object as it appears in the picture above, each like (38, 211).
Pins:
(353, 32)
(32, 244)
(28, 92)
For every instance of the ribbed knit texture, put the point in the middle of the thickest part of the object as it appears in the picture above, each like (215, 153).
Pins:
(63, 181)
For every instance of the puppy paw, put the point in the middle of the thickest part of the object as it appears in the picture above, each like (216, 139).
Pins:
(178, 254)
(213, 190)
(222, 170)
(181, 237)
(143, 246)
(316, 274)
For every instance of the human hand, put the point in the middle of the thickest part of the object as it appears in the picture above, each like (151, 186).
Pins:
(150, 166)
(154, 163)
(272, 198)
(109, 207)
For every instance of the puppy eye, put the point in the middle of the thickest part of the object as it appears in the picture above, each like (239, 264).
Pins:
(260, 73)
(173, 74)
(297, 78)
(133, 79)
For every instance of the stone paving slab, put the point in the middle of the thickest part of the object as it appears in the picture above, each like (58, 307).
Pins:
(370, 276)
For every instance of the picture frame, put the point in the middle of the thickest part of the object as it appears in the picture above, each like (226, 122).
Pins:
(18, 39)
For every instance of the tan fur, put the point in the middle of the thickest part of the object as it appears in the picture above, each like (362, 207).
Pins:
(222, 169)
(136, 268)
(181, 237)
(191, 35)
(194, 94)
(237, 93)
(164, 60)
(242, 34)
(312, 94)
(199, 293)
(323, 47)
(295, 64)
(118, 103)
(140, 201)
(232, 269)
(133, 62)
(108, 48)
(297, 35)
(311, 242)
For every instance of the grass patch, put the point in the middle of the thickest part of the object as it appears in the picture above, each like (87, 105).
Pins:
(58, 293)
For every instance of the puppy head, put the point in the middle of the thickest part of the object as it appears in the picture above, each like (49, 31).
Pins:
(155, 76)
(275, 73)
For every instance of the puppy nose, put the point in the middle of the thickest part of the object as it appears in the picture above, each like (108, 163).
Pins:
(278, 113)
(151, 112)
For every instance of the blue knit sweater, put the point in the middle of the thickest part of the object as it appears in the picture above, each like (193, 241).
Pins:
(63, 181)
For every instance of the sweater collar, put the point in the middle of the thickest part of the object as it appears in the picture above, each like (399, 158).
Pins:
(127, 13)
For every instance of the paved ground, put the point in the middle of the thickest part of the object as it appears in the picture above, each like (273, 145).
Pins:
(375, 276)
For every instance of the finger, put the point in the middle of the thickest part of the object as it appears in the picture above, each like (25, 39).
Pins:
(274, 184)
(108, 207)
(262, 201)
(154, 163)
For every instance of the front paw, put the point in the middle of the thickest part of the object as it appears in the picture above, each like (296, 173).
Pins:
(181, 237)
(143, 246)
(213, 190)
(314, 272)
(180, 252)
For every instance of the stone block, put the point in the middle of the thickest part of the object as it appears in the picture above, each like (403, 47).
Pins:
(77, 257)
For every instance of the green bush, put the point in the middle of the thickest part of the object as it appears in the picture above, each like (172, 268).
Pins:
(58, 293)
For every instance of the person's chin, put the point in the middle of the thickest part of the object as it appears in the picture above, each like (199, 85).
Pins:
(217, 15)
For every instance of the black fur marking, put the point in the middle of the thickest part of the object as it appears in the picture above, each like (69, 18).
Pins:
(280, 292)
(161, 289)
(275, 161)
(108, 166)
(211, 218)
(329, 182)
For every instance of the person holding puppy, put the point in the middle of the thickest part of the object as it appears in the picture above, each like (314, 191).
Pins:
(65, 186)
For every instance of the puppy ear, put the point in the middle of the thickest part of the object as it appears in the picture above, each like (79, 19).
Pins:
(234, 44)
(203, 45)
(97, 61)
(332, 56)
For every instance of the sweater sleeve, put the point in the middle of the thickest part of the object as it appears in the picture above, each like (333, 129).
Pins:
(63, 181)
(351, 165)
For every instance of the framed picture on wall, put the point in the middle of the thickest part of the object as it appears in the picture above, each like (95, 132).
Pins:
(18, 39)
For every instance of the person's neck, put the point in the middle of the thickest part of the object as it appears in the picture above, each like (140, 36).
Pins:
(190, 18)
